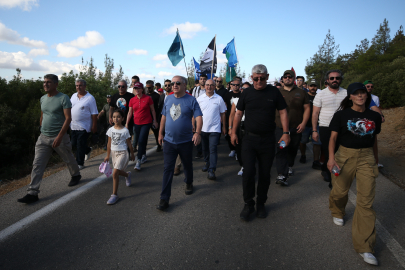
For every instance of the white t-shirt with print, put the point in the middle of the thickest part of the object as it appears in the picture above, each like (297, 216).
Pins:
(118, 138)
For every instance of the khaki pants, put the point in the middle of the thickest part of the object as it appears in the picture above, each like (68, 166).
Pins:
(43, 151)
(359, 163)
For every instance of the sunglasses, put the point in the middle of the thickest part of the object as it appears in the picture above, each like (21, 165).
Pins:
(235, 84)
(218, 81)
(173, 83)
(121, 86)
(335, 78)
(167, 85)
(287, 77)
(259, 78)
(370, 86)
(137, 87)
(244, 88)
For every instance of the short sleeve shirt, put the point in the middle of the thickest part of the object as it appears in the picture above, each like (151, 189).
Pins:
(121, 102)
(376, 100)
(106, 109)
(356, 129)
(53, 116)
(260, 108)
(141, 109)
(118, 138)
(329, 103)
(211, 108)
(296, 98)
(82, 110)
(179, 112)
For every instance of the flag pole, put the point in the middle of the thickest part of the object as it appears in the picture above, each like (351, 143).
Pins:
(213, 60)
(184, 58)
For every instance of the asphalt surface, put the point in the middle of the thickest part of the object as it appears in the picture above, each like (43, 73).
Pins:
(198, 231)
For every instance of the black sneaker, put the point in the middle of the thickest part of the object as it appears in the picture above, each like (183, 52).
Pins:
(303, 159)
(261, 211)
(75, 180)
(247, 210)
(28, 199)
(316, 165)
(163, 205)
(159, 148)
(199, 155)
(211, 175)
(189, 189)
(326, 176)
(205, 168)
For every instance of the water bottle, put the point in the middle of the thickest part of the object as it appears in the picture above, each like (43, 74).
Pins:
(282, 145)
(335, 170)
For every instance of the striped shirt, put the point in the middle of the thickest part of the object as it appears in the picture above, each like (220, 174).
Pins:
(329, 103)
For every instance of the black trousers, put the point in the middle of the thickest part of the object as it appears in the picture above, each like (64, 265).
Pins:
(260, 149)
(285, 157)
(156, 133)
(324, 135)
(240, 133)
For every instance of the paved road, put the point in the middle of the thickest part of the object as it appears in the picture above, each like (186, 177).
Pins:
(200, 231)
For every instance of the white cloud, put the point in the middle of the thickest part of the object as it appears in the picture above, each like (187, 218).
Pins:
(187, 30)
(25, 5)
(67, 51)
(15, 60)
(165, 74)
(145, 76)
(13, 37)
(36, 52)
(137, 52)
(91, 39)
(221, 58)
(57, 67)
(160, 57)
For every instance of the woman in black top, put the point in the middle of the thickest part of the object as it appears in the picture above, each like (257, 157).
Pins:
(356, 127)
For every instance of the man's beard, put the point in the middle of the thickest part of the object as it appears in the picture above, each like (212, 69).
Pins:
(289, 84)
(334, 85)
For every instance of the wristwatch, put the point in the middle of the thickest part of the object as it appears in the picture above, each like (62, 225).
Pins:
(314, 130)
(286, 132)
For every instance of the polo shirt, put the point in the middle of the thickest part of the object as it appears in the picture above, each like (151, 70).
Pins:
(82, 110)
(211, 108)
(296, 98)
(141, 109)
(329, 103)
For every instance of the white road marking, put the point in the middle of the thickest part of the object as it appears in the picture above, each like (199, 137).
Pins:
(25, 222)
(396, 249)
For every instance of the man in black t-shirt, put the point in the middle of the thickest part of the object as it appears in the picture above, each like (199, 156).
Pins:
(155, 97)
(219, 87)
(259, 103)
(121, 101)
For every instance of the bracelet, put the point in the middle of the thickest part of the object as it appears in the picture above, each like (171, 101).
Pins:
(314, 130)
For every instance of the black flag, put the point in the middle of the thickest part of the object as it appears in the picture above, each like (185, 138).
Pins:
(209, 56)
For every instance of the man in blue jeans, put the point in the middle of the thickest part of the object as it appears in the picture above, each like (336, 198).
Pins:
(213, 108)
(176, 131)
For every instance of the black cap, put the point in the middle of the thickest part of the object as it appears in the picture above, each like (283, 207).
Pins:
(354, 87)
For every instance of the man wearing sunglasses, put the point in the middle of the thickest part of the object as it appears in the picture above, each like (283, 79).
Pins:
(325, 104)
(176, 132)
(213, 108)
(120, 101)
(298, 115)
(155, 97)
(259, 103)
(219, 87)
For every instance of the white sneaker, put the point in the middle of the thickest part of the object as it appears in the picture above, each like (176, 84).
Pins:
(87, 156)
(281, 180)
(240, 173)
(380, 165)
(143, 159)
(290, 171)
(137, 165)
(81, 167)
(232, 153)
(128, 179)
(369, 258)
(338, 221)
(113, 199)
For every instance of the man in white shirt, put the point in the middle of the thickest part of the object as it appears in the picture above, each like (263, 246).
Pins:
(197, 92)
(370, 86)
(213, 109)
(84, 121)
(325, 105)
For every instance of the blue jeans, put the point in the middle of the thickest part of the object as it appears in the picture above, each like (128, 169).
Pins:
(142, 133)
(135, 140)
(170, 152)
(79, 141)
(209, 145)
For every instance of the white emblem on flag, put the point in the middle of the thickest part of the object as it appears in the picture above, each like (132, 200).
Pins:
(175, 111)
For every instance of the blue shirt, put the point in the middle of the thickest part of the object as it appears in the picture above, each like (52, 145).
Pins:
(179, 112)
(372, 103)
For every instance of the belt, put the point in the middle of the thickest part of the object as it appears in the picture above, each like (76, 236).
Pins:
(259, 135)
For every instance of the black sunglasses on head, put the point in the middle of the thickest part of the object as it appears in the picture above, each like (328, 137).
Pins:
(173, 83)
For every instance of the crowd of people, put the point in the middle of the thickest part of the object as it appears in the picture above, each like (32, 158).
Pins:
(260, 122)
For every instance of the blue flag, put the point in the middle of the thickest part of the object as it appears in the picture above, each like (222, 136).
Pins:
(230, 52)
(176, 51)
(197, 70)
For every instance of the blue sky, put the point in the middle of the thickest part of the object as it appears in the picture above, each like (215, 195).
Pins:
(42, 36)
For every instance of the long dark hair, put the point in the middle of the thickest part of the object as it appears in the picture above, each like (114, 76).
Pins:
(347, 103)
